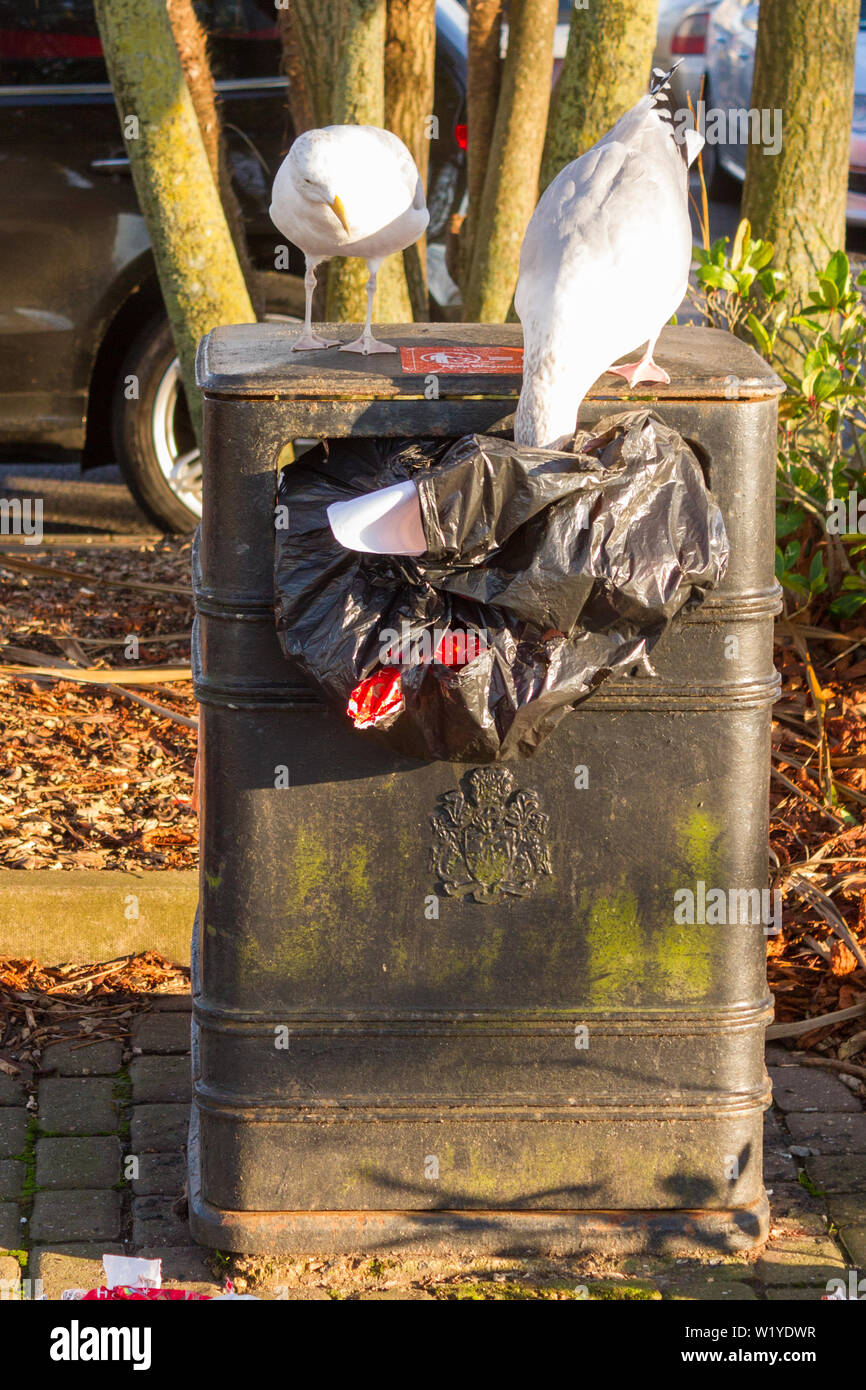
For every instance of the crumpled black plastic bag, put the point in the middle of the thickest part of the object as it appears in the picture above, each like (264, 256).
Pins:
(572, 565)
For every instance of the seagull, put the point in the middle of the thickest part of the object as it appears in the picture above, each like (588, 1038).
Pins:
(603, 266)
(348, 190)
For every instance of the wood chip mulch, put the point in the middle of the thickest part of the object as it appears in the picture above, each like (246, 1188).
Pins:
(91, 777)
(78, 1004)
(817, 964)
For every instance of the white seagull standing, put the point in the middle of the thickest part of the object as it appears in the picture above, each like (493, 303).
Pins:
(348, 190)
(603, 266)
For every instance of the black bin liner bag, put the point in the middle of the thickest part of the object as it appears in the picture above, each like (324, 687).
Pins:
(545, 572)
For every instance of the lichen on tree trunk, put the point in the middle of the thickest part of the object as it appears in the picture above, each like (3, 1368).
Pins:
(511, 181)
(192, 47)
(201, 281)
(606, 70)
(804, 68)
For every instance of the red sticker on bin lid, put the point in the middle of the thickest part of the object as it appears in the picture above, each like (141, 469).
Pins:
(465, 361)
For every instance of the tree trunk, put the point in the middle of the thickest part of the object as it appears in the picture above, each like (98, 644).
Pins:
(410, 55)
(511, 182)
(804, 68)
(298, 72)
(606, 70)
(359, 99)
(191, 41)
(201, 281)
(484, 75)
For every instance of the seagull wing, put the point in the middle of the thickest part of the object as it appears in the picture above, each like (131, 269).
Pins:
(604, 263)
(567, 225)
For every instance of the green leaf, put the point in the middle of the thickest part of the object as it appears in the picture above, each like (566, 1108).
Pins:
(717, 277)
(838, 271)
(773, 283)
(788, 521)
(847, 605)
(829, 291)
(813, 361)
(760, 335)
(827, 384)
(792, 553)
(742, 238)
(795, 582)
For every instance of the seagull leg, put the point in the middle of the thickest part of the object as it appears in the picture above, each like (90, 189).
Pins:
(643, 370)
(367, 343)
(308, 339)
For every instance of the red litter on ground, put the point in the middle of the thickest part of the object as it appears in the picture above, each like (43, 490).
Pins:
(462, 361)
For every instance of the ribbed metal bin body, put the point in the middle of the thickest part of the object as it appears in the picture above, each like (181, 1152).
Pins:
(380, 1061)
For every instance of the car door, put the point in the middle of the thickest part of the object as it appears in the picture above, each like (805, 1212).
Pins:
(69, 224)
(735, 25)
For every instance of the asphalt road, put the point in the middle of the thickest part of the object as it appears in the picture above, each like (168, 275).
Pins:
(74, 502)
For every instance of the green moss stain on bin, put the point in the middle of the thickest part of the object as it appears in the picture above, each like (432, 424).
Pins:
(308, 869)
(687, 949)
(629, 962)
(616, 949)
(321, 891)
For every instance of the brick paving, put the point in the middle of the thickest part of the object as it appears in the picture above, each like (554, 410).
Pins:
(97, 1165)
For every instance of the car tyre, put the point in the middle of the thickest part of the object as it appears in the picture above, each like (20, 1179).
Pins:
(154, 442)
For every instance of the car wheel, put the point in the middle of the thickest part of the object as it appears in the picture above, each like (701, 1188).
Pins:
(153, 437)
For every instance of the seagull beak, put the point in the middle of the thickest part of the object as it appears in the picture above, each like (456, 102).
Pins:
(337, 207)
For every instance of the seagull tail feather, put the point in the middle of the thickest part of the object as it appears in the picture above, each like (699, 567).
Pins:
(661, 79)
(689, 144)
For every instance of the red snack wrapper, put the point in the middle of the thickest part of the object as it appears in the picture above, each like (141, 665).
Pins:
(376, 699)
(125, 1294)
(459, 648)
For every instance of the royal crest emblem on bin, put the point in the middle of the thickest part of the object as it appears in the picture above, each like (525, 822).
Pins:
(489, 840)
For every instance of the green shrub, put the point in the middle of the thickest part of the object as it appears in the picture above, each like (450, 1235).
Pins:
(819, 350)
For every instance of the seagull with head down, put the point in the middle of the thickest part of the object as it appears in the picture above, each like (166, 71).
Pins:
(603, 266)
(348, 190)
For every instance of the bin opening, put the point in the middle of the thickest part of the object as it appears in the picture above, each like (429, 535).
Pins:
(542, 573)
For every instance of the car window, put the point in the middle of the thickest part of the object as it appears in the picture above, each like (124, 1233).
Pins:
(244, 38)
(57, 41)
(49, 41)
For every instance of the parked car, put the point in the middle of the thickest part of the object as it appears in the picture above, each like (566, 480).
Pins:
(682, 39)
(80, 305)
(730, 65)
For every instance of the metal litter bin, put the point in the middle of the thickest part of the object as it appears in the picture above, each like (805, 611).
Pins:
(395, 1046)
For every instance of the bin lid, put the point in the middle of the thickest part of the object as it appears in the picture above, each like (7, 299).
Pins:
(469, 359)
